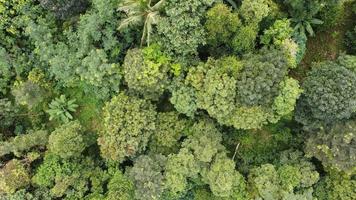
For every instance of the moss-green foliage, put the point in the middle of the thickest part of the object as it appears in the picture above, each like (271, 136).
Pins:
(252, 12)
(38, 194)
(203, 157)
(292, 178)
(13, 176)
(8, 113)
(241, 93)
(180, 31)
(336, 186)
(330, 93)
(146, 71)
(183, 97)
(205, 111)
(5, 72)
(72, 179)
(256, 147)
(68, 140)
(221, 26)
(76, 56)
(170, 128)
(128, 123)
(334, 147)
(147, 176)
(120, 187)
(350, 41)
(23, 143)
(224, 180)
(28, 93)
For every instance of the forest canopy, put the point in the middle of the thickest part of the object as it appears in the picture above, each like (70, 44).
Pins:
(178, 99)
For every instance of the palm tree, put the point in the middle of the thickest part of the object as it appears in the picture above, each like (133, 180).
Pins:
(141, 12)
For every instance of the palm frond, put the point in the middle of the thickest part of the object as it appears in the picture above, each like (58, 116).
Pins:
(159, 5)
(131, 21)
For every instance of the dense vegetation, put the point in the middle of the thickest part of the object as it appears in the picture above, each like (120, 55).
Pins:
(177, 99)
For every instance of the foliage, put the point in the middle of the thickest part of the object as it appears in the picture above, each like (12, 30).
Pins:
(170, 129)
(23, 143)
(224, 180)
(64, 8)
(336, 186)
(243, 93)
(120, 187)
(180, 31)
(8, 113)
(128, 123)
(221, 26)
(277, 33)
(252, 12)
(329, 93)
(205, 111)
(252, 152)
(350, 41)
(203, 155)
(146, 71)
(141, 12)
(13, 176)
(292, 179)
(334, 147)
(183, 97)
(67, 140)
(303, 15)
(28, 93)
(77, 55)
(69, 178)
(147, 177)
(61, 108)
(5, 72)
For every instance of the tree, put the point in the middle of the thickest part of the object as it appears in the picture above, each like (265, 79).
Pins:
(329, 93)
(180, 31)
(241, 93)
(69, 178)
(128, 123)
(147, 71)
(252, 152)
(28, 93)
(224, 181)
(170, 129)
(147, 176)
(335, 186)
(13, 176)
(203, 159)
(67, 140)
(252, 12)
(221, 25)
(5, 72)
(302, 15)
(23, 143)
(334, 147)
(141, 11)
(293, 178)
(61, 109)
(8, 113)
(277, 33)
(65, 8)
(120, 187)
